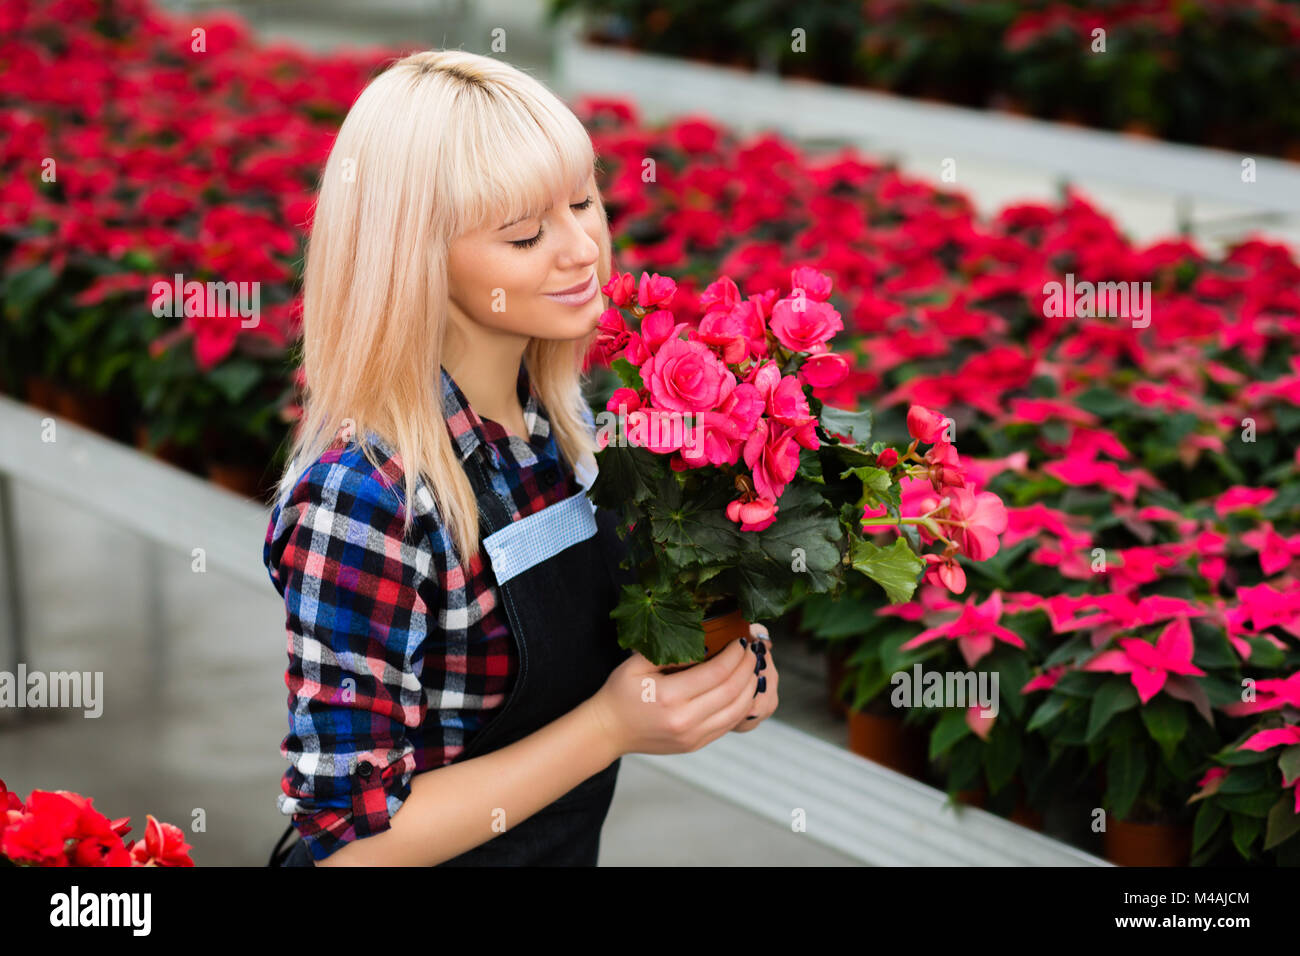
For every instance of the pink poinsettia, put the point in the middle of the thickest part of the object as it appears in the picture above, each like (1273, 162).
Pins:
(974, 629)
(1148, 665)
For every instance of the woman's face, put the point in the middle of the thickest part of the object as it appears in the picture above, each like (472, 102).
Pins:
(503, 278)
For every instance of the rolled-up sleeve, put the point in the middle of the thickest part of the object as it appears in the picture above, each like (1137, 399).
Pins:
(355, 623)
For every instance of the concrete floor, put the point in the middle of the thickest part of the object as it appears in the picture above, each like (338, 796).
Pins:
(193, 718)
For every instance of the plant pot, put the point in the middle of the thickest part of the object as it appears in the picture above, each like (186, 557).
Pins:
(727, 624)
(244, 479)
(166, 450)
(95, 412)
(836, 656)
(1147, 844)
(885, 739)
(41, 392)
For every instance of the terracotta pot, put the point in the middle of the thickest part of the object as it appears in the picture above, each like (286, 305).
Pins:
(719, 630)
(244, 479)
(91, 411)
(1147, 844)
(41, 392)
(1140, 129)
(1026, 816)
(972, 798)
(884, 739)
(836, 656)
(166, 450)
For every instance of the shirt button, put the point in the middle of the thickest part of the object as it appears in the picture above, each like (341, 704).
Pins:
(548, 476)
(364, 769)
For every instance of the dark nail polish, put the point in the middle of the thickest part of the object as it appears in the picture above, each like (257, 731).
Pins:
(762, 684)
(762, 664)
(744, 643)
(760, 648)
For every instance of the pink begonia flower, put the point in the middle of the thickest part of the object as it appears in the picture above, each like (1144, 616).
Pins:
(924, 425)
(1147, 665)
(945, 572)
(772, 454)
(1239, 496)
(806, 326)
(974, 630)
(686, 377)
(946, 469)
(978, 520)
(824, 371)
(737, 332)
(752, 515)
(815, 283)
(1275, 551)
(655, 290)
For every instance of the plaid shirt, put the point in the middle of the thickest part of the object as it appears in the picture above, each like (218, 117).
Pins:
(398, 652)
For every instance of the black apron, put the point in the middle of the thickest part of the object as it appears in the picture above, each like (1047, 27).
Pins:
(557, 577)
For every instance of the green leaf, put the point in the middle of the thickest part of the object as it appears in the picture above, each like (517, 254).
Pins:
(875, 483)
(629, 376)
(694, 529)
(857, 425)
(235, 378)
(1111, 698)
(625, 469)
(1003, 756)
(1166, 720)
(1283, 822)
(895, 568)
(1289, 764)
(666, 626)
(1125, 771)
(1208, 819)
(1047, 711)
(950, 728)
(1244, 832)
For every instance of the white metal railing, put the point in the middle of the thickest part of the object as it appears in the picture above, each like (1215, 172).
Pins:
(851, 805)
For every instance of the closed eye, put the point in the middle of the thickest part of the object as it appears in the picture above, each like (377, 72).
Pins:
(529, 243)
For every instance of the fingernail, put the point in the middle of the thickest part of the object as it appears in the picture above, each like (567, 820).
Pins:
(762, 664)
(762, 684)
(744, 643)
(760, 648)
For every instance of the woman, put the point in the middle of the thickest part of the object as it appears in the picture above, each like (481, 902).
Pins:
(452, 288)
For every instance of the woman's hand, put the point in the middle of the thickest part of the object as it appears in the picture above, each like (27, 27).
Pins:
(644, 710)
(765, 702)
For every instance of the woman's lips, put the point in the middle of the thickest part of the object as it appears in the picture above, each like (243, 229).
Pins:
(580, 297)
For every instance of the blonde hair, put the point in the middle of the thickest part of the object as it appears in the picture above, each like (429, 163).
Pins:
(442, 143)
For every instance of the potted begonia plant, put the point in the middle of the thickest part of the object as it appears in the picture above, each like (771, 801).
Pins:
(738, 490)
